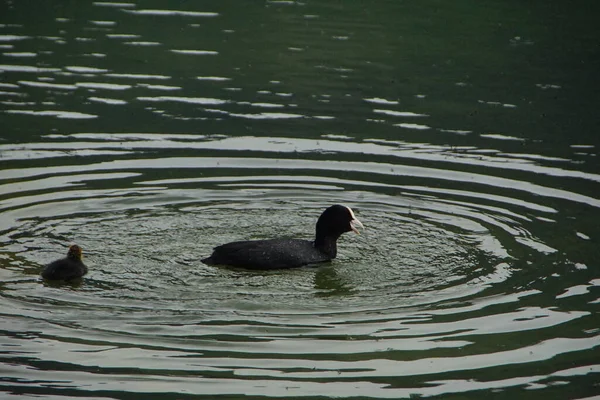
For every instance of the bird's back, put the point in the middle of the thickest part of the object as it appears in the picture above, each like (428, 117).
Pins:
(267, 254)
(64, 269)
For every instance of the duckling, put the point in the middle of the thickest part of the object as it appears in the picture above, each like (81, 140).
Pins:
(68, 268)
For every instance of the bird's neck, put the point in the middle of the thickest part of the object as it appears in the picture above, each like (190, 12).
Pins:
(327, 244)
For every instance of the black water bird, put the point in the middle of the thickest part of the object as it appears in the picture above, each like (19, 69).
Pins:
(68, 268)
(290, 253)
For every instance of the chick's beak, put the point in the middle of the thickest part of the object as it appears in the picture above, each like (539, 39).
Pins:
(355, 224)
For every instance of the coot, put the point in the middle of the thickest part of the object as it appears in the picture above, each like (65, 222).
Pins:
(68, 268)
(289, 253)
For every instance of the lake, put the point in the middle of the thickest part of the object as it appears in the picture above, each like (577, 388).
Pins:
(464, 135)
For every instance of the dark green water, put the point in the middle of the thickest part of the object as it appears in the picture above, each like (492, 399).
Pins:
(463, 134)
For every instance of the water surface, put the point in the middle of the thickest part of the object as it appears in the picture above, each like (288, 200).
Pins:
(463, 136)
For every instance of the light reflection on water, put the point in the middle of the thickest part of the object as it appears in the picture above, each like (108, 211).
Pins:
(434, 274)
(476, 273)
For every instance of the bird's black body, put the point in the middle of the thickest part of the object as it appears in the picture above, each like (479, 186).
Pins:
(289, 253)
(68, 268)
(267, 254)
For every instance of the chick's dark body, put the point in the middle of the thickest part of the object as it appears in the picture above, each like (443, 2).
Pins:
(68, 268)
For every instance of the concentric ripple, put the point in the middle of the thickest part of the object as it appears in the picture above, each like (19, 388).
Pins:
(441, 267)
